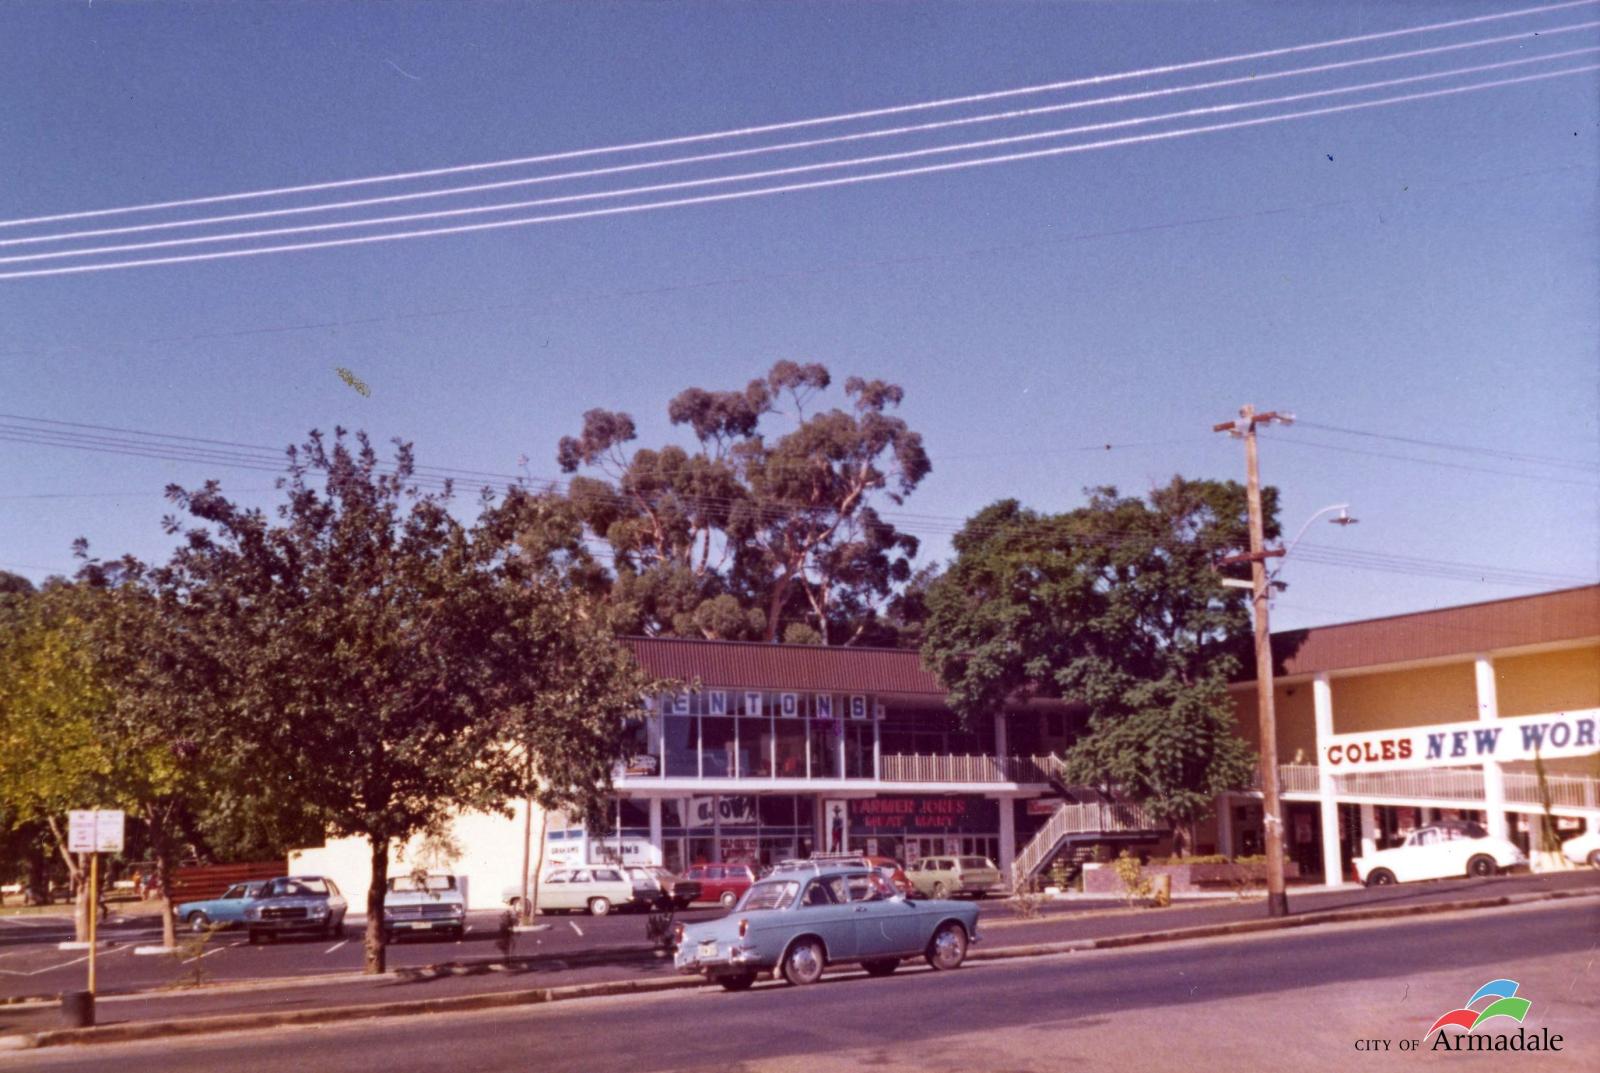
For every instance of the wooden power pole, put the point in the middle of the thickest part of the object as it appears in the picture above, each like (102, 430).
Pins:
(1271, 815)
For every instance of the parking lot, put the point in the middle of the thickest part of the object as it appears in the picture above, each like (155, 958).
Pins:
(31, 963)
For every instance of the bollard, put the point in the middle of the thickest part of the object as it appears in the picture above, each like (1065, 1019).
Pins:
(1162, 890)
(77, 1009)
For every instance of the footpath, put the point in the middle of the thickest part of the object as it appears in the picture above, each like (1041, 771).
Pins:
(512, 980)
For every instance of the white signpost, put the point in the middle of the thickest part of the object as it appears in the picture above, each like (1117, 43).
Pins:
(94, 831)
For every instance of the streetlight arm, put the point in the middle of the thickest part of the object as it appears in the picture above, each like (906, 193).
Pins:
(1298, 536)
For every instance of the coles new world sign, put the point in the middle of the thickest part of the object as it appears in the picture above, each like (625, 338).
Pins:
(1501, 740)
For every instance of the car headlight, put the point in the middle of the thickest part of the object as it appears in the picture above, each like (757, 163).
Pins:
(458, 910)
(252, 914)
(319, 910)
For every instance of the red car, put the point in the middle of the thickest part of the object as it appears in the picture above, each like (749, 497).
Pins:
(724, 883)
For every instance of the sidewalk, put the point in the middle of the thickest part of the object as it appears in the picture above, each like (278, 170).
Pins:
(499, 981)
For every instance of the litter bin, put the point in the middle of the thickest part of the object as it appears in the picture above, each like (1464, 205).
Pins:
(1161, 890)
(77, 1009)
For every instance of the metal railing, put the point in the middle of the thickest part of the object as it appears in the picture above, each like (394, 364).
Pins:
(1566, 791)
(900, 767)
(1073, 819)
(1444, 784)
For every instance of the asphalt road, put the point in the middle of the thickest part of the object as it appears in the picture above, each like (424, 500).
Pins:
(31, 964)
(1290, 999)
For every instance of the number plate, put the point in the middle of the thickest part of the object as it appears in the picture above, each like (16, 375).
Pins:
(708, 948)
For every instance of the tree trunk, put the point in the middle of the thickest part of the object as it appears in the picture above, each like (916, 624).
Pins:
(80, 888)
(372, 944)
(161, 854)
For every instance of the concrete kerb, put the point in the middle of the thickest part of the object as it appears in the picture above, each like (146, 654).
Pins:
(537, 996)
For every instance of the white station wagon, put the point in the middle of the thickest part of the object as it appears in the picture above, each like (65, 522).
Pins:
(596, 890)
(1449, 848)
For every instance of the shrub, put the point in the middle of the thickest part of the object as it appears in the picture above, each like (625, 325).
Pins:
(1135, 884)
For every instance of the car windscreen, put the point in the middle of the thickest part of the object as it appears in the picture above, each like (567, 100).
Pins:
(778, 894)
(297, 888)
(408, 884)
(974, 862)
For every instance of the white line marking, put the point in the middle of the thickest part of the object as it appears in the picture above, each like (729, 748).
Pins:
(33, 923)
(575, 927)
(336, 946)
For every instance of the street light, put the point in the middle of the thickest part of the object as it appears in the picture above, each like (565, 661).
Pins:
(1343, 519)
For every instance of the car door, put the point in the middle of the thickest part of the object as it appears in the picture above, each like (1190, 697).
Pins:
(229, 908)
(825, 910)
(886, 925)
(1430, 854)
(556, 891)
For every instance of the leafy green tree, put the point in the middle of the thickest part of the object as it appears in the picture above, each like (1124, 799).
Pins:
(1118, 606)
(751, 535)
(386, 665)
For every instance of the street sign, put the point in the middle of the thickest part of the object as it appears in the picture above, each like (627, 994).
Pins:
(95, 831)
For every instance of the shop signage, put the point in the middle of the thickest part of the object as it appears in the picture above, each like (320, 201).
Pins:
(789, 704)
(824, 706)
(642, 764)
(94, 831)
(901, 813)
(1042, 806)
(729, 811)
(1501, 740)
(624, 851)
(752, 704)
(717, 702)
(835, 825)
(858, 707)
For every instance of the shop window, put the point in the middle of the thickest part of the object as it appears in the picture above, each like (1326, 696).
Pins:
(825, 750)
(681, 734)
(790, 749)
(776, 811)
(717, 746)
(672, 814)
(858, 752)
(634, 814)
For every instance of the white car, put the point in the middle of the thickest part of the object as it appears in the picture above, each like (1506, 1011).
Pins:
(1584, 849)
(1449, 848)
(597, 890)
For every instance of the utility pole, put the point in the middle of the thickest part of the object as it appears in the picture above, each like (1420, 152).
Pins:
(1271, 819)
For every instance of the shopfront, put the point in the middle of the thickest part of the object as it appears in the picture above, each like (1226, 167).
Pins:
(909, 827)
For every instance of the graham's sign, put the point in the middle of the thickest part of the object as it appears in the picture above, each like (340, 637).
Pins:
(1481, 741)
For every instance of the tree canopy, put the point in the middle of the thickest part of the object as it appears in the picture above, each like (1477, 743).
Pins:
(1118, 606)
(383, 663)
(751, 534)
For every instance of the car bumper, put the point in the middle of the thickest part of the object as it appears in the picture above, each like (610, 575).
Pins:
(294, 924)
(446, 924)
(724, 961)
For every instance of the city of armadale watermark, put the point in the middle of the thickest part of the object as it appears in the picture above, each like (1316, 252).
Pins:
(1503, 1004)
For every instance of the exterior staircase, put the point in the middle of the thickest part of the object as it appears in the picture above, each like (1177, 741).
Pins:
(1081, 822)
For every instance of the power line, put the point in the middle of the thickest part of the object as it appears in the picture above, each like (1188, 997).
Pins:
(788, 188)
(1298, 441)
(1123, 98)
(798, 169)
(872, 113)
(1492, 452)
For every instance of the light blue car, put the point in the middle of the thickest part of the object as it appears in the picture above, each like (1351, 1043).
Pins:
(804, 917)
(228, 909)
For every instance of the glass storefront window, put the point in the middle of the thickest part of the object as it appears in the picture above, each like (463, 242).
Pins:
(776, 811)
(824, 750)
(755, 748)
(681, 734)
(717, 746)
(858, 752)
(791, 749)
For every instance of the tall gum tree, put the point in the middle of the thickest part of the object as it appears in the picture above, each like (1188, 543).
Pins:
(389, 665)
(1119, 606)
(753, 534)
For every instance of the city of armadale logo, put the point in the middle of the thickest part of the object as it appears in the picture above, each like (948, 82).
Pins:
(1474, 1029)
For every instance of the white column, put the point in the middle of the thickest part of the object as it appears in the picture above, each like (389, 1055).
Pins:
(1322, 706)
(1494, 783)
(1000, 736)
(1225, 825)
(1008, 837)
(1369, 830)
(655, 828)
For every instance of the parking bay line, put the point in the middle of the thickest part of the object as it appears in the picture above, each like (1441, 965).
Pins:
(575, 927)
(336, 946)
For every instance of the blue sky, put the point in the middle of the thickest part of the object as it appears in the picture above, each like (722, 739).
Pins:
(1423, 270)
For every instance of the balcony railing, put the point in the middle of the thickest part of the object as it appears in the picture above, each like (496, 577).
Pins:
(1444, 784)
(894, 767)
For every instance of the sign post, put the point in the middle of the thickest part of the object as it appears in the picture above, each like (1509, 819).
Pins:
(91, 831)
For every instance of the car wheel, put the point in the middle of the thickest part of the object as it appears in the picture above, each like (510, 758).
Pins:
(516, 907)
(948, 947)
(332, 929)
(940, 890)
(804, 962)
(1594, 859)
(881, 966)
(1482, 866)
(1380, 877)
(599, 907)
(255, 937)
(729, 899)
(741, 982)
(198, 921)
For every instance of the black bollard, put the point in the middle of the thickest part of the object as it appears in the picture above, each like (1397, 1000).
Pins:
(77, 1009)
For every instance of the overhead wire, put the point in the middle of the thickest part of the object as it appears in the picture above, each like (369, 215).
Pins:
(872, 113)
(1492, 452)
(1300, 441)
(852, 162)
(920, 128)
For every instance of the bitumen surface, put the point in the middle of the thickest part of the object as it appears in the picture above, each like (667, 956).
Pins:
(1285, 999)
(573, 951)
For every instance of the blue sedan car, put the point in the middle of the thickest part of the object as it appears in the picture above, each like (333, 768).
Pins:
(805, 917)
(227, 909)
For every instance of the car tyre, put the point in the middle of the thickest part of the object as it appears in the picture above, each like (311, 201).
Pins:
(599, 907)
(739, 982)
(1594, 859)
(940, 890)
(729, 899)
(1380, 877)
(948, 947)
(804, 962)
(255, 937)
(516, 907)
(1482, 866)
(881, 966)
(198, 921)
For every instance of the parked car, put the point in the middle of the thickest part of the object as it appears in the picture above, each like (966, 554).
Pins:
(433, 904)
(888, 867)
(941, 877)
(296, 903)
(1584, 849)
(1451, 848)
(225, 909)
(594, 889)
(799, 920)
(655, 887)
(724, 883)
